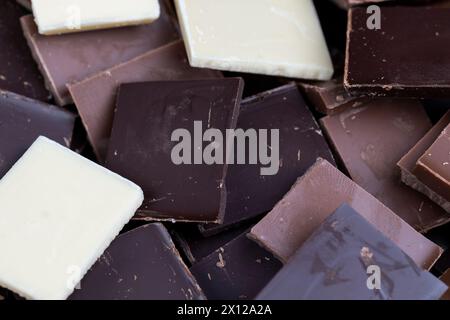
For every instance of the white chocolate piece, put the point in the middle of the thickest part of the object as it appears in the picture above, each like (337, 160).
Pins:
(65, 16)
(58, 213)
(271, 37)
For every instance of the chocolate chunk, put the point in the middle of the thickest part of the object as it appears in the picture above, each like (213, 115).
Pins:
(370, 140)
(141, 264)
(408, 56)
(18, 72)
(196, 246)
(141, 145)
(314, 197)
(95, 96)
(23, 120)
(238, 270)
(65, 59)
(347, 258)
(433, 167)
(408, 164)
(300, 143)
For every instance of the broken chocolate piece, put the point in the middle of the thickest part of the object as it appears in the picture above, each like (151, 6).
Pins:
(238, 270)
(346, 258)
(23, 120)
(314, 197)
(400, 58)
(370, 140)
(95, 97)
(141, 264)
(153, 121)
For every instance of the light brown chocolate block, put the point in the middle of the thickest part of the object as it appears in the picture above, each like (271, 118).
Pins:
(314, 197)
(69, 58)
(408, 164)
(370, 140)
(95, 97)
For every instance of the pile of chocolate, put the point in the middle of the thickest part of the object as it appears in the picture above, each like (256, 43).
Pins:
(226, 149)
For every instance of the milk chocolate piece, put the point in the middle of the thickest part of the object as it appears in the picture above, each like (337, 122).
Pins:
(403, 58)
(370, 140)
(335, 263)
(330, 97)
(408, 163)
(64, 59)
(238, 270)
(314, 197)
(141, 145)
(300, 143)
(446, 279)
(95, 96)
(433, 167)
(141, 264)
(18, 72)
(23, 120)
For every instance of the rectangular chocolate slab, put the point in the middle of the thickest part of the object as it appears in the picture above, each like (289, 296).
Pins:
(370, 140)
(338, 260)
(408, 162)
(23, 120)
(18, 71)
(404, 57)
(300, 143)
(314, 197)
(433, 167)
(68, 58)
(95, 97)
(148, 116)
(141, 264)
(236, 271)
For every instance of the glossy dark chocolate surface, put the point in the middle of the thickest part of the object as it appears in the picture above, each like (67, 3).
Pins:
(140, 264)
(140, 148)
(23, 120)
(336, 261)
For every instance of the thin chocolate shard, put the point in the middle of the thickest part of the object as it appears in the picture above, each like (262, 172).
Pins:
(346, 258)
(314, 197)
(95, 97)
(236, 271)
(18, 72)
(408, 163)
(142, 145)
(400, 58)
(141, 264)
(68, 58)
(370, 140)
(300, 143)
(23, 120)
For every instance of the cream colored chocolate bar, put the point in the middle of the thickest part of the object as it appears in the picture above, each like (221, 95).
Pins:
(58, 213)
(272, 37)
(65, 16)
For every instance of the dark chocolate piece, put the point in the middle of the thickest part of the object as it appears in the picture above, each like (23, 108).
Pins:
(95, 96)
(300, 143)
(314, 197)
(370, 140)
(409, 161)
(238, 270)
(196, 246)
(23, 120)
(141, 147)
(142, 264)
(18, 71)
(347, 258)
(68, 58)
(404, 57)
(433, 167)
